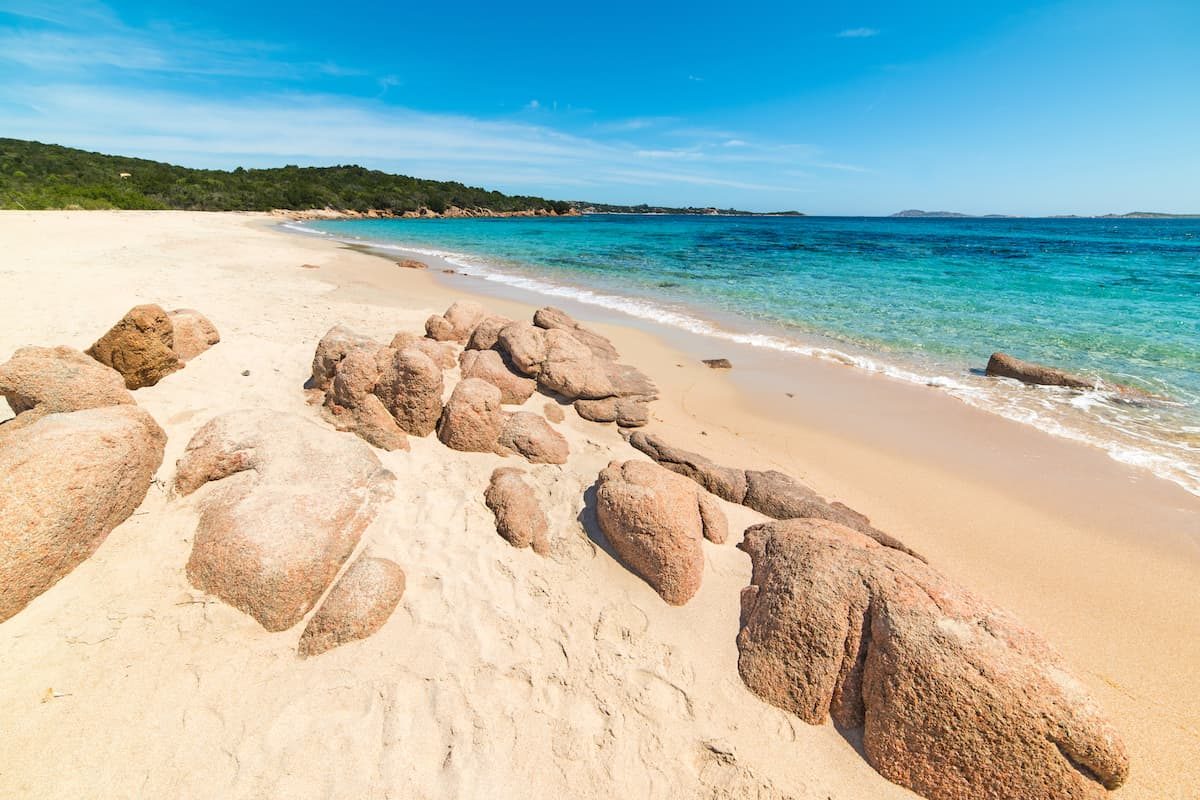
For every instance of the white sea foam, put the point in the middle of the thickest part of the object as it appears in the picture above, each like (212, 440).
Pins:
(1041, 407)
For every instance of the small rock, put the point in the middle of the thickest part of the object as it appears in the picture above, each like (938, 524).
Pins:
(193, 333)
(359, 604)
(411, 263)
(718, 363)
(519, 518)
(532, 437)
(245, 373)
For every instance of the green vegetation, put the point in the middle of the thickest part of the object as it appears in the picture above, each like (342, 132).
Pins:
(35, 175)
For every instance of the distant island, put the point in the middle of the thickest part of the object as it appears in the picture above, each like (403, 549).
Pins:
(34, 175)
(913, 212)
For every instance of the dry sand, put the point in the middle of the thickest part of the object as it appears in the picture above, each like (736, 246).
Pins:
(504, 674)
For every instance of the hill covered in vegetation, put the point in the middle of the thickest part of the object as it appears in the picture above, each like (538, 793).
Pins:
(35, 175)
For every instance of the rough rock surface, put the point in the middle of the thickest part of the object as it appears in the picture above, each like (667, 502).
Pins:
(1005, 366)
(725, 482)
(444, 354)
(627, 412)
(488, 365)
(359, 604)
(68, 480)
(487, 332)
(139, 346)
(54, 379)
(531, 436)
(457, 323)
(410, 387)
(472, 418)
(519, 518)
(289, 503)
(954, 697)
(552, 318)
(654, 521)
(337, 342)
(525, 345)
(193, 333)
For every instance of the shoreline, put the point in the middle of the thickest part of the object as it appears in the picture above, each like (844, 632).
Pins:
(1052, 411)
(1101, 559)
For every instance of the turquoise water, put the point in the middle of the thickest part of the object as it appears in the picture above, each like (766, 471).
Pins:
(922, 299)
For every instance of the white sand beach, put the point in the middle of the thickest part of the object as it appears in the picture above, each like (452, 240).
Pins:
(504, 674)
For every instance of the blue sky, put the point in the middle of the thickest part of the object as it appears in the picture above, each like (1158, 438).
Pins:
(867, 108)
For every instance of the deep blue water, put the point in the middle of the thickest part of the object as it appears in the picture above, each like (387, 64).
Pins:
(927, 298)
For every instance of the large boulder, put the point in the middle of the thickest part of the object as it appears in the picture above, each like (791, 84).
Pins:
(140, 347)
(472, 418)
(953, 696)
(359, 604)
(531, 436)
(1005, 366)
(488, 365)
(525, 346)
(725, 482)
(552, 318)
(519, 518)
(335, 345)
(47, 380)
(457, 323)
(655, 520)
(289, 503)
(192, 333)
(410, 386)
(571, 369)
(69, 479)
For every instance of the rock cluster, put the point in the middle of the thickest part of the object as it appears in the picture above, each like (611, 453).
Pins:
(655, 520)
(289, 502)
(768, 492)
(519, 518)
(474, 421)
(580, 365)
(954, 698)
(143, 345)
(381, 393)
(1003, 365)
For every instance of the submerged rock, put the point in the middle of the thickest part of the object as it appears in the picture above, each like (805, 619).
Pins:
(655, 520)
(69, 479)
(140, 347)
(953, 696)
(1005, 366)
(289, 503)
(519, 518)
(359, 604)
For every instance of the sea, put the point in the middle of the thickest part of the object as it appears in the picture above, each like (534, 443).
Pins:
(923, 300)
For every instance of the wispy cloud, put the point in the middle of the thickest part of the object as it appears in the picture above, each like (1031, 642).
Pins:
(857, 33)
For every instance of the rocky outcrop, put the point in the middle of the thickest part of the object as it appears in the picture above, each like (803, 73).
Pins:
(488, 365)
(472, 418)
(68, 480)
(519, 518)
(954, 698)
(768, 492)
(457, 323)
(655, 521)
(192, 333)
(487, 332)
(140, 347)
(46, 380)
(359, 604)
(529, 435)
(289, 503)
(1002, 365)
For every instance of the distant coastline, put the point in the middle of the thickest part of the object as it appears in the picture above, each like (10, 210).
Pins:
(915, 213)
